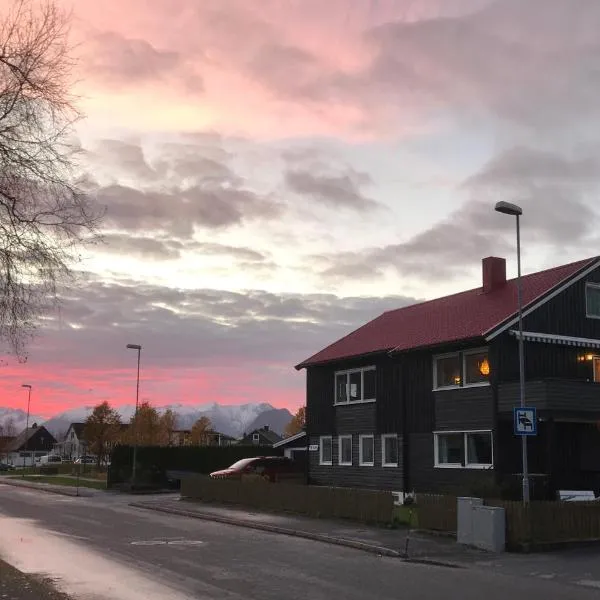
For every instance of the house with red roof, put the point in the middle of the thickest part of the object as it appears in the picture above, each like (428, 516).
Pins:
(422, 397)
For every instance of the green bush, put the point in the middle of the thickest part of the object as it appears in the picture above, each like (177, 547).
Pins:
(153, 462)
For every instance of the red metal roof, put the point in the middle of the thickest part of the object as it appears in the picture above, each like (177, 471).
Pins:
(461, 316)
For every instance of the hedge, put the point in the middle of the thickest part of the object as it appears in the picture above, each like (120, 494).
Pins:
(153, 462)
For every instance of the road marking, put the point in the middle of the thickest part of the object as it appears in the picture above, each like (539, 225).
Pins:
(589, 583)
(168, 542)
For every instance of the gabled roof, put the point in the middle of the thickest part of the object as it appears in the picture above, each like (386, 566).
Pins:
(290, 439)
(463, 316)
(77, 428)
(267, 434)
(21, 440)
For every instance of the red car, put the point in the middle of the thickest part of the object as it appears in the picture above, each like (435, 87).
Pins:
(272, 468)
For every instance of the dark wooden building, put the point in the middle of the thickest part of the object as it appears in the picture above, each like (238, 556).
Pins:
(260, 437)
(421, 398)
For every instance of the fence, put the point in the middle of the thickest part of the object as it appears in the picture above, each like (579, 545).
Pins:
(437, 512)
(315, 501)
(541, 524)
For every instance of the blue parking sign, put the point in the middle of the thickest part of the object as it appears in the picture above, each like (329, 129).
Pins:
(525, 421)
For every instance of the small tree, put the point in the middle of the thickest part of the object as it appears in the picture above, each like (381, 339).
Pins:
(297, 424)
(101, 430)
(145, 427)
(167, 425)
(201, 432)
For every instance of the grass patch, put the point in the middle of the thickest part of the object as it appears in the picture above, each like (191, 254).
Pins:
(407, 516)
(63, 480)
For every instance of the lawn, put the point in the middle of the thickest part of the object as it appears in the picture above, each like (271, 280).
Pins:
(63, 480)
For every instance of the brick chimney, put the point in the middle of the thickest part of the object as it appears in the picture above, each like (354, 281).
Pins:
(494, 273)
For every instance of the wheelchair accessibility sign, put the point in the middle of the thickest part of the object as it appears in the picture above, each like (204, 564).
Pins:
(525, 421)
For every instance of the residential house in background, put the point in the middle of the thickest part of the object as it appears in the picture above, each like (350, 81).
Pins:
(260, 437)
(421, 398)
(29, 445)
(72, 445)
(294, 447)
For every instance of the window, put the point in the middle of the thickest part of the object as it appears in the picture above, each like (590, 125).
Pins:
(463, 449)
(476, 367)
(326, 450)
(389, 450)
(597, 369)
(367, 450)
(345, 450)
(255, 438)
(592, 300)
(355, 385)
(447, 371)
(461, 369)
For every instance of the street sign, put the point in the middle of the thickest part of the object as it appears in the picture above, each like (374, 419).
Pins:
(525, 421)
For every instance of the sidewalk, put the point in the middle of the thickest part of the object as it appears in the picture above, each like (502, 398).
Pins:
(63, 490)
(400, 543)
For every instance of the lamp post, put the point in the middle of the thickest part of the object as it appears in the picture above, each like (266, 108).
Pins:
(137, 397)
(507, 208)
(26, 385)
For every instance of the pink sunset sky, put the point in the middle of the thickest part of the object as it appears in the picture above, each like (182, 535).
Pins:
(277, 172)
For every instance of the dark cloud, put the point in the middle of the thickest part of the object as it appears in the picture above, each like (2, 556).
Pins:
(336, 191)
(194, 328)
(179, 211)
(120, 61)
(172, 249)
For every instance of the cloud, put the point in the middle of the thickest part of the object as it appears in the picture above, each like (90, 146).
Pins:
(335, 191)
(172, 249)
(119, 61)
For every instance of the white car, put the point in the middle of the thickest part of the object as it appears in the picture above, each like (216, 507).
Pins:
(49, 459)
(86, 460)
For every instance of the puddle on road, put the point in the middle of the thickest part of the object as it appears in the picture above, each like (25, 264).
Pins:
(78, 571)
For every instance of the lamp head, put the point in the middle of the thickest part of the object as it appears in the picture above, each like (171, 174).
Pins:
(134, 346)
(507, 208)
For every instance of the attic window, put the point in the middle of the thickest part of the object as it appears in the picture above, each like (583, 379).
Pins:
(592, 300)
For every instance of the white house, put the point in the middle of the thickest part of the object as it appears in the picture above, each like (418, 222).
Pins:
(73, 444)
(30, 444)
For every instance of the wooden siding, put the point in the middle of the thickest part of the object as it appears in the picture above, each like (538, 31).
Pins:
(563, 315)
(426, 478)
(320, 411)
(564, 398)
(417, 391)
(376, 477)
(466, 408)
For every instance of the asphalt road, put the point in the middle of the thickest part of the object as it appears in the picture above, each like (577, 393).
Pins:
(108, 544)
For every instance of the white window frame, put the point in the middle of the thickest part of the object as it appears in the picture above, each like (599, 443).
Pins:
(462, 360)
(384, 461)
(340, 438)
(361, 439)
(347, 373)
(321, 461)
(589, 285)
(255, 437)
(466, 465)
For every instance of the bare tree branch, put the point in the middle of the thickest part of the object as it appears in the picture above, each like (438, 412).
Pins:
(44, 216)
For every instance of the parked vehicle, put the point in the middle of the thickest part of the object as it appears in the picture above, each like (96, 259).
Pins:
(6, 467)
(86, 460)
(272, 468)
(49, 459)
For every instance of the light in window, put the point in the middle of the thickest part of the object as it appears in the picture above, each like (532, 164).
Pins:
(477, 368)
(448, 371)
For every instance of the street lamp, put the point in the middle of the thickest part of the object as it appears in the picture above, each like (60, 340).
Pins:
(513, 210)
(26, 385)
(137, 397)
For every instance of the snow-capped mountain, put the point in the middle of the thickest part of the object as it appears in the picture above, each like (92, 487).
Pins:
(13, 421)
(234, 420)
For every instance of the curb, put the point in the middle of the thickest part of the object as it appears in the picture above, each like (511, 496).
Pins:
(51, 490)
(319, 537)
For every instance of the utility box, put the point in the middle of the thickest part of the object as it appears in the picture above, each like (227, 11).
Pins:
(464, 519)
(489, 528)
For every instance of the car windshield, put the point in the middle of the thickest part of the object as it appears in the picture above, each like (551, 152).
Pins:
(242, 463)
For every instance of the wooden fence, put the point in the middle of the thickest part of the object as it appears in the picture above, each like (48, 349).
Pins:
(328, 502)
(541, 524)
(436, 512)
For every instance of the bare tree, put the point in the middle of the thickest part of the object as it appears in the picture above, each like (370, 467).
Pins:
(44, 215)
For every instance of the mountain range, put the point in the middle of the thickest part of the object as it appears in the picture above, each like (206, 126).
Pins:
(233, 420)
